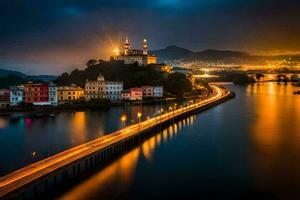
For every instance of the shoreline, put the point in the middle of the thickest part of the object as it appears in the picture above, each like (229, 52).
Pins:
(21, 112)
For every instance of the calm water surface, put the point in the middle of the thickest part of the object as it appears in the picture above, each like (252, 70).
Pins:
(246, 148)
(49, 135)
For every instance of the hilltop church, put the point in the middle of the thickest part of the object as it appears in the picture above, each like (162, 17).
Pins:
(140, 56)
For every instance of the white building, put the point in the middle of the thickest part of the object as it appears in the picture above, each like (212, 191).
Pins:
(17, 95)
(158, 91)
(53, 96)
(103, 89)
(113, 90)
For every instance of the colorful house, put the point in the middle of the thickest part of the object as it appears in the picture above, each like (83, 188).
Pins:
(17, 95)
(147, 91)
(4, 98)
(132, 94)
(53, 97)
(158, 91)
(68, 94)
(36, 93)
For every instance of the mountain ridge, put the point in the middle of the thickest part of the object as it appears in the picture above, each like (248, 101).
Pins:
(173, 53)
(5, 73)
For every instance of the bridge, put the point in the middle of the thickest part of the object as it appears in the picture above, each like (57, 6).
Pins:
(39, 177)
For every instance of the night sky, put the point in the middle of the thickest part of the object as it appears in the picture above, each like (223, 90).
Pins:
(53, 36)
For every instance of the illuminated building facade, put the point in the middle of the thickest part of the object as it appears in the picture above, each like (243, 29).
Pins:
(53, 98)
(4, 98)
(101, 89)
(17, 95)
(37, 93)
(131, 56)
(132, 94)
(68, 94)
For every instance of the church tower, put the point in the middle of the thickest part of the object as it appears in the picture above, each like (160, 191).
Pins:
(145, 47)
(126, 47)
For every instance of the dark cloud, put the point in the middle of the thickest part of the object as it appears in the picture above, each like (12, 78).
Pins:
(63, 34)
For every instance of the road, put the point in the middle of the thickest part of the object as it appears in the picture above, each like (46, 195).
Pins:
(28, 174)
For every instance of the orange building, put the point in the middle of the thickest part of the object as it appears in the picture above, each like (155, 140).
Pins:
(36, 93)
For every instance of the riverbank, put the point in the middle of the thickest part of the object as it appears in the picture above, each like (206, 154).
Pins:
(52, 111)
(30, 111)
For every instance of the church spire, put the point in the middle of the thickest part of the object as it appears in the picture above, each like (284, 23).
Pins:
(126, 46)
(145, 47)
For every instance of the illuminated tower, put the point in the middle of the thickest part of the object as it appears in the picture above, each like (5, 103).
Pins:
(126, 47)
(145, 47)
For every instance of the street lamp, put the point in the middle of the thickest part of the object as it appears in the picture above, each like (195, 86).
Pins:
(139, 115)
(33, 154)
(123, 119)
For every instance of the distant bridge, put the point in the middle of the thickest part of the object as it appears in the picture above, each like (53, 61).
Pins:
(38, 178)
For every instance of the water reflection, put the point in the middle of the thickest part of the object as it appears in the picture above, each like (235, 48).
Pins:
(3, 123)
(276, 139)
(275, 109)
(77, 127)
(114, 180)
(26, 133)
(248, 148)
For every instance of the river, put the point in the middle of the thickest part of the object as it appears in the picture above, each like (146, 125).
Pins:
(245, 148)
(30, 139)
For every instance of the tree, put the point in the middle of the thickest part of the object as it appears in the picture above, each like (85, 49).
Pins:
(91, 62)
(258, 76)
(178, 84)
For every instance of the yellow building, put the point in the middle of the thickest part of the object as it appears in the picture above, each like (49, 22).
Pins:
(68, 94)
(151, 59)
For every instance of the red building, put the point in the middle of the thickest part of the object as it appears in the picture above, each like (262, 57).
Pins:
(132, 94)
(36, 93)
(4, 98)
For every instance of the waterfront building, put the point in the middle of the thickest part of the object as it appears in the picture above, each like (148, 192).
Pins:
(103, 89)
(158, 91)
(17, 95)
(68, 94)
(147, 91)
(132, 94)
(153, 91)
(142, 57)
(53, 97)
(36, 93)
(4, 98)
(95, 89)
(113, 90)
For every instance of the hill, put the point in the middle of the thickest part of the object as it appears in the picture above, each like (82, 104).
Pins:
(10, 77)
(46, 78)
(132, 75)
(171, 53)
(175, 53)
(6, 73)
